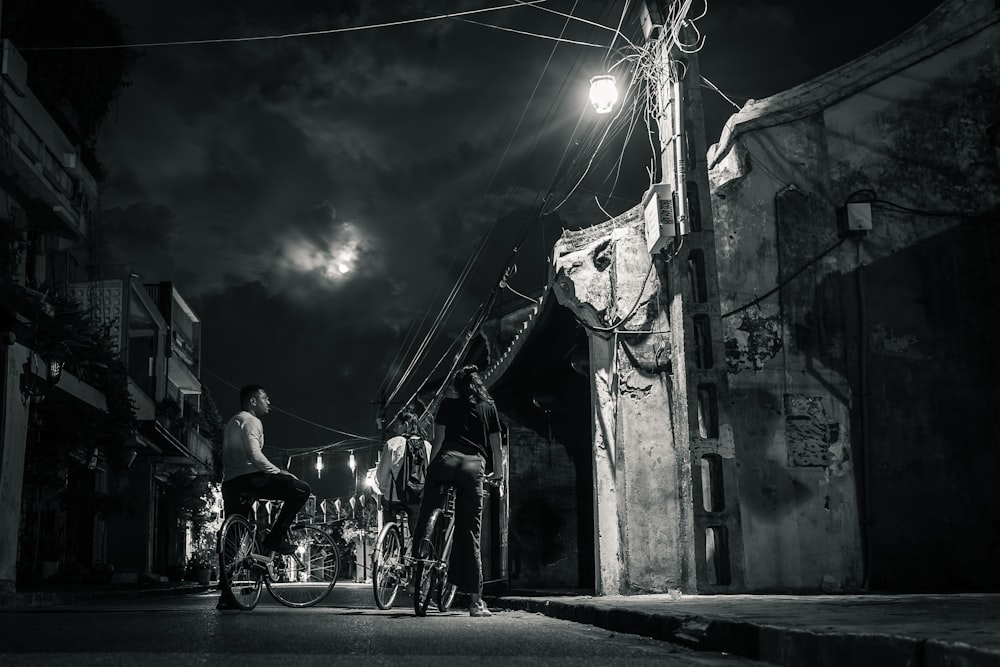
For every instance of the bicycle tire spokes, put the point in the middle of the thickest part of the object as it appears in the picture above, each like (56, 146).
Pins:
(305, 577)
(388, 567)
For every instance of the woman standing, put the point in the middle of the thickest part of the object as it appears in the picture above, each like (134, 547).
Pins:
(466, 432)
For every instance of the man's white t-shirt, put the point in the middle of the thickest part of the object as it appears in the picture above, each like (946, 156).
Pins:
(242, 445)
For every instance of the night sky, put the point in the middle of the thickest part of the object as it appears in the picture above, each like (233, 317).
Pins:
(315, 199)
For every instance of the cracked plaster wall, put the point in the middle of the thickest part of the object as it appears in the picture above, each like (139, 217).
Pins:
(878, 358)
(642, 482)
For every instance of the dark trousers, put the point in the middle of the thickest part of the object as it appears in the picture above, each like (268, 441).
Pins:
(266, 486)
(466, 472)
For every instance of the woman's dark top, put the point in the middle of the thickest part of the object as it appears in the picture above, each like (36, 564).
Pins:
(467, 425)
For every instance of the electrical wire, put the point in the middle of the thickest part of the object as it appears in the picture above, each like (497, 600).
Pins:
(590, 161)
(286, 412)
(581, 20)
(472, 259)
(716, 89)
(642, 60)
(790, 278)
(621, 19)
(291, 35)
(347, 444)
(635, 306)
(531, 34)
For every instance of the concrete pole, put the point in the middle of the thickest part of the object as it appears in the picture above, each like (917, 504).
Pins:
(698, 360)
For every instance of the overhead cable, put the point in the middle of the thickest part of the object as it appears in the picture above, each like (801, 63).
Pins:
(285, 412)
(291, 35)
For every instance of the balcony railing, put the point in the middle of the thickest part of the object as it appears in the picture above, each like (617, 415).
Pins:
(54, 183)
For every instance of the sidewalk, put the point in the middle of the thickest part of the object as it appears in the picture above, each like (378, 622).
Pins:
(918, 630)
(811, 631)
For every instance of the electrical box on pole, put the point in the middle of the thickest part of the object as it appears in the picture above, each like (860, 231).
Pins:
(658, 217)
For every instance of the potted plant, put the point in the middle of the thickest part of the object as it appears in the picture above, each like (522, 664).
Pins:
(200, 565)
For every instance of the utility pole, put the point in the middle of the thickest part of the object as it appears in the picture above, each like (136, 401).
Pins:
(700, 383)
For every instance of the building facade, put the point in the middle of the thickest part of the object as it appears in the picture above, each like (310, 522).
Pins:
(857, 221)
(90, 358)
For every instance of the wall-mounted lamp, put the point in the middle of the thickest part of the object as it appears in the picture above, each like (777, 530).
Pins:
(53, 370)
(603, 93)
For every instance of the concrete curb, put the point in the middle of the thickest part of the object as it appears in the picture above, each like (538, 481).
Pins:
(779, 645)
(32, 599)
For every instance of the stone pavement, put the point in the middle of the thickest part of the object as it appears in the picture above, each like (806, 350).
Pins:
(917, 630)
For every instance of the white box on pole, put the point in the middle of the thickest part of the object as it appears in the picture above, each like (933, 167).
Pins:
(658, 217)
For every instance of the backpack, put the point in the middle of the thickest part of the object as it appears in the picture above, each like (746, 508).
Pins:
(409, 483)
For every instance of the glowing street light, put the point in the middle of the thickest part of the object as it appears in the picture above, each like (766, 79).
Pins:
(319, 466)
(351, 462)
(603, 93)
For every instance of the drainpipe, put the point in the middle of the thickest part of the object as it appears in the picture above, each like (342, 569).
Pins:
(863, 418)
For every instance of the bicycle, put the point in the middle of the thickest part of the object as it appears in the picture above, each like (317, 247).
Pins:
(392, 570)
(431, 567)
(300, 579)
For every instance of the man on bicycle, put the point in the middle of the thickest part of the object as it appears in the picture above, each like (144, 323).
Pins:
(247, 472)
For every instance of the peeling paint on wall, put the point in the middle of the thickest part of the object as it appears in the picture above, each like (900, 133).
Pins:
(756, 340)
(809, 432)
(885, 342)
(633, 385)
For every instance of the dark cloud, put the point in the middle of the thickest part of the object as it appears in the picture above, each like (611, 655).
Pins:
(140, 236)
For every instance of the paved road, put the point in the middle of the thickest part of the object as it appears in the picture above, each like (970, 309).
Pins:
(346, 629)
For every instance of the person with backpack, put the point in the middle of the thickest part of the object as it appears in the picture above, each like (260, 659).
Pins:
(466, 436)
(399, 476)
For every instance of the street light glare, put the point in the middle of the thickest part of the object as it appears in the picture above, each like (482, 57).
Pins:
(603, 93)
(343, 268)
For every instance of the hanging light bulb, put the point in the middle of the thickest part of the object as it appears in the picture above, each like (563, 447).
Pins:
(319, 466)
(350, 462)
(603, 93)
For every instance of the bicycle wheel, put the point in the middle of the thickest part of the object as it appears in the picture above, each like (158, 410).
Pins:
(388, 563)
(305, 577)
(239, 579)
(446, 592)
(425, 582)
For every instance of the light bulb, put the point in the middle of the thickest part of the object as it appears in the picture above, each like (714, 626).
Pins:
(603, 93)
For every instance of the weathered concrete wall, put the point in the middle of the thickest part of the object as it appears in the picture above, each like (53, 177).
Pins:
(642, 479)
(864, 390)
